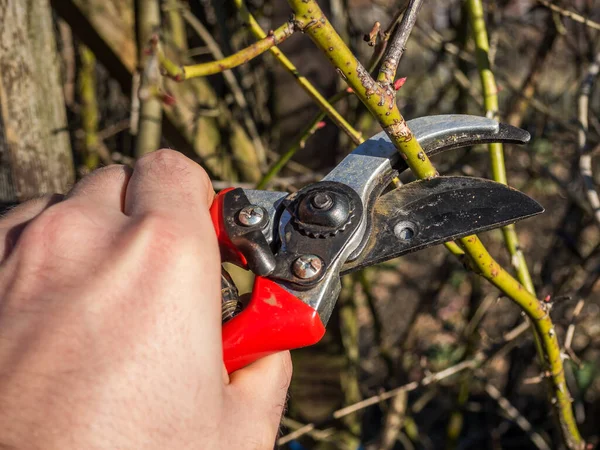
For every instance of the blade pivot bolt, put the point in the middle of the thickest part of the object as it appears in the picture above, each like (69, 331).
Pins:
(251, 215)
(322, 201)
(307, 266)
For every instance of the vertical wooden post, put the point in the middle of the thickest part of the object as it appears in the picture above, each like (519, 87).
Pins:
(35, 151)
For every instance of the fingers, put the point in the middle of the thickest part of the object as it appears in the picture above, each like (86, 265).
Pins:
(105, 187)
(168, 183)
(259, 392)
(13, 222)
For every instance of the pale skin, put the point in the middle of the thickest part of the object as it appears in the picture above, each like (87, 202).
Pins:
(110, 325)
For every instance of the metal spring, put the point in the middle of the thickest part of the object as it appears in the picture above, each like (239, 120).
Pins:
(230, 309)
(231, 305)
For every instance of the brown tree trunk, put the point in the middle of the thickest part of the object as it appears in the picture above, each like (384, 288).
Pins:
(35, 151)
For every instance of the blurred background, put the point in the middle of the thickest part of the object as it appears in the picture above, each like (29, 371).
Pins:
(75, 95)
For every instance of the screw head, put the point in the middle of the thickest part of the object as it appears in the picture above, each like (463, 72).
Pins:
(307, 266)
(322, 201)
(251, 215)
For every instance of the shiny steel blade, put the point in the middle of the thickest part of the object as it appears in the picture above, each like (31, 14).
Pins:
(430, 212)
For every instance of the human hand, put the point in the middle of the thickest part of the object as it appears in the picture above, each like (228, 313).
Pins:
(110, 322)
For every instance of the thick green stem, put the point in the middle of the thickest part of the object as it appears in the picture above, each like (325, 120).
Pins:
(496, 150)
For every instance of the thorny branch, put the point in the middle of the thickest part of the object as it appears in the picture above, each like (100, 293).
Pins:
(379, 100)
(312, 127)
(381, 103)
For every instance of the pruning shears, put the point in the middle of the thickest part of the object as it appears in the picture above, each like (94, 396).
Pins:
(299, 245)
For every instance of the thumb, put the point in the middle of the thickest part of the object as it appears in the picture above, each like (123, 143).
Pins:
(257, 394)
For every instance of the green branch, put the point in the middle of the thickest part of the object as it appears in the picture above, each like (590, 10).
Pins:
(180, 73)
(496, 150)
(325, 106)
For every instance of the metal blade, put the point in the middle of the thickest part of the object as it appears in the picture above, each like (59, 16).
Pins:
(429, 212)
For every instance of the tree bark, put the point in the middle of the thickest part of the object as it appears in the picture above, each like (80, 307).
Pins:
(35, 151)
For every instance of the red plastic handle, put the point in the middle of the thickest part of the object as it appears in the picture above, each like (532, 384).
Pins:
(274, 320)
(229, 253)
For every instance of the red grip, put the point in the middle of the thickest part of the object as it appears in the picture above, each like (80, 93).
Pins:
(273, 321)
(229, 252)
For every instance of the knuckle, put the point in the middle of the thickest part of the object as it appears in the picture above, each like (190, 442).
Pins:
(113, 173)
(99, 179)
(24, 209)
(48, 231)
(172, 168)
(162, 162)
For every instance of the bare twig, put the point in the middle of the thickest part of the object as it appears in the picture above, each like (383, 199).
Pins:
(113, 129)
(397, 44)
(571, 331)
(570, 14)
(518, 418)
(429, 379)
(394, 421)
(585, 153)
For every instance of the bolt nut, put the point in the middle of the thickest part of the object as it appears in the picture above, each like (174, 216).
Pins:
(307, 266)
(322, 201)
(251, 215)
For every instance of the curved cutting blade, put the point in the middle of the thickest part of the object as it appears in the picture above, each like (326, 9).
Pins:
(429, 212)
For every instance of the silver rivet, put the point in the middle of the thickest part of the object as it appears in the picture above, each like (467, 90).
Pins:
(251, 215)
(307, 266)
